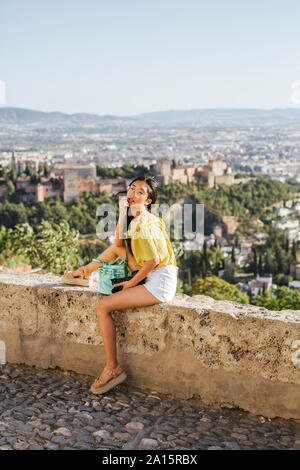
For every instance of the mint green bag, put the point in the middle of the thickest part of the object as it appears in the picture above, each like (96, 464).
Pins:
(107, 272)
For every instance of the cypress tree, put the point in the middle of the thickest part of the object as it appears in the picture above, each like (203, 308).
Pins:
(260, 267)
(294, 251)
(205, 262)
(236, 241)
(232, 255)
(287, 245)
(254, 262)
(203, 267)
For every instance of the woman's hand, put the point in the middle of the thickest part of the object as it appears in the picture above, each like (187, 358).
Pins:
(80, 272)
(125, 284)
(123, 204)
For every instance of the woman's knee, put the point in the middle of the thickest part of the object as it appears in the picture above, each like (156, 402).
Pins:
(101, 308)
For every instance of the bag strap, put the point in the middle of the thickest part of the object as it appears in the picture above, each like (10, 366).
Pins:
(126, 260)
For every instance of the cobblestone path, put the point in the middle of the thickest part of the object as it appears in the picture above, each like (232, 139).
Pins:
(52, 409)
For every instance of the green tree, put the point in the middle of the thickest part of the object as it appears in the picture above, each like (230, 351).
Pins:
(260, 265)
(236, 241)
(215, 256)
(265, 300)
(10, 187)
(13, 175)
(282, 279)
(205, 261)
(269, 263)
(219, 289)
(47, 169)
(233, 255)
(5, 244)
(288, 298)
(284, 299)
(29, 171)
(41, 169)
(128, 169)
(52, 247)
(229, 272)
(255, 267)
(294, 251)
(287, 245)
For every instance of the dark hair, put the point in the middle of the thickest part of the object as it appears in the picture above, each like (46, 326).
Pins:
(152, 194)
(152, 188)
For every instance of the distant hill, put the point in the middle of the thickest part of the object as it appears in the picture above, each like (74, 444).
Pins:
(213, 116)
(26, 116)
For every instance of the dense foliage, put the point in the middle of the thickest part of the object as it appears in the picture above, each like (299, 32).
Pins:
(240, 199)
(283, 299)
(219, 289)
(275, 256)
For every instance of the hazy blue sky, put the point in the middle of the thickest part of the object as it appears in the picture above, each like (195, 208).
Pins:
(130, 56)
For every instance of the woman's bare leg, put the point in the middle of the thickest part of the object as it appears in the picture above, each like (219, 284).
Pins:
(137, 296)
(112, 253)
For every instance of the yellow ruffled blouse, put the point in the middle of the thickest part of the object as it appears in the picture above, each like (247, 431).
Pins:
(150, 240)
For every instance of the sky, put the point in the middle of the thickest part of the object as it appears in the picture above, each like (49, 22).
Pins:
(125, 57)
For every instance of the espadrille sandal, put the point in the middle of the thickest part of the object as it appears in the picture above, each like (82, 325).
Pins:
(84, 280)
(99, 386)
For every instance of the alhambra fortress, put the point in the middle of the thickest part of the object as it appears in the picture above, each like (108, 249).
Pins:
(68, 181)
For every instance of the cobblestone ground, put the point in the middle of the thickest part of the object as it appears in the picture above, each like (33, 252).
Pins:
(52, 409)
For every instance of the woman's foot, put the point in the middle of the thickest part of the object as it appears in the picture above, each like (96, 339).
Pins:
(108, 379)
(77, 277)
(71, 275)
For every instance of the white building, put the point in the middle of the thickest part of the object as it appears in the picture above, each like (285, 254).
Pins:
(294, 285)
(282, 211)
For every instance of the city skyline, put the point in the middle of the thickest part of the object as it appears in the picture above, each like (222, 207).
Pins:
(127, 59)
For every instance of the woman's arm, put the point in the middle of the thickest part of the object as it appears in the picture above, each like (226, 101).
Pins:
(143, 272)
(123, 212)
(119, 241)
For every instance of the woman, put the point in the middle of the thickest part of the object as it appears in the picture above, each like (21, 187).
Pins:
(151, 255)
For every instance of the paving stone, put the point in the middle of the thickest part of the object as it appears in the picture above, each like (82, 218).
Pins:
(36, 447)
(238, 436)
(148, 444)
(60, 440)
(51, 446)
(63, 432)
(122, 436)
(57, 411)
(44, 434)
(136, 425)
(101, 433)
(20, 446)
(231, 445)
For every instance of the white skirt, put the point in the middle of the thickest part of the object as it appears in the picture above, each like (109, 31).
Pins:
(162, 282)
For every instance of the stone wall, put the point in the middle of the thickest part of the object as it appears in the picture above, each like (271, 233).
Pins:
(217, 351)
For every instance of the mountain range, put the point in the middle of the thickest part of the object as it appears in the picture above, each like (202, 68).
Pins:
(194, 116)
